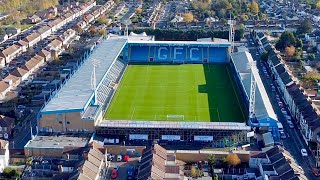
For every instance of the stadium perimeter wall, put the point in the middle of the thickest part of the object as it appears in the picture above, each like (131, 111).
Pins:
(65, 122)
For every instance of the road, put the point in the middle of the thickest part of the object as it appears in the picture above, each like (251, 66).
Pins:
(24, 134)
(294, 141)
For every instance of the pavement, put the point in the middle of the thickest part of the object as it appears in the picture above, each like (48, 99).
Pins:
(294, 141)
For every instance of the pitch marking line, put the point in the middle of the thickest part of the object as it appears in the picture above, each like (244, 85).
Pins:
(134, 109)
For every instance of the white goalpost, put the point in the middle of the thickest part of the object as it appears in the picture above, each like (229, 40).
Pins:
(175, 117)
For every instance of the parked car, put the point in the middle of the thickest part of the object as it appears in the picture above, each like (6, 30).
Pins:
(315, 172)
(290, 125)
(283, 135)
(126, 158)
(304, 152)
(130, 171)
(119, 158)
(114, 174)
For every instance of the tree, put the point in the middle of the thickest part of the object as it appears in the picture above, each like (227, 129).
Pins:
(188, 17)
(216, 177)
(264, 56)
(312, 76)
(103, 20)
(102, 32)
(233, 159)
(299, 43)
(244, 17)
(254, 7)
(212, 159)
(290, 50)
(10, 173)
(138, 10)
(318, 4)
(2, 32)
(242, 30)
(305, 27)
(312, 57)
(286, 39)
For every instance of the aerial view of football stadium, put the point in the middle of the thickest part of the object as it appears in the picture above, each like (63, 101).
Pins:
(160, 89)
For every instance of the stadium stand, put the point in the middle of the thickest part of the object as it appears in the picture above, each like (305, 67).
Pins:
(246, 69)
(76, 107)
(105, 90)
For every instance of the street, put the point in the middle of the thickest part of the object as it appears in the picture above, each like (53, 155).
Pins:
(24, 134)
(294, 141)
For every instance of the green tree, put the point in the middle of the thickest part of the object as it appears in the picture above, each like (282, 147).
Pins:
(312, 57)
(312, 76)
(264, 56)
(2, 32)
(299, 43)
(305, 27)
(10, 173)
(286, 39)
(242, 30)
(216, 177)
(212, 160)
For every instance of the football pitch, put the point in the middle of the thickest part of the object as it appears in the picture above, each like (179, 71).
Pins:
(188, 92)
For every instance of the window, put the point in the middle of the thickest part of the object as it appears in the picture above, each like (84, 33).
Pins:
(151, 59)
(5, 129)
(68, 122)
(60, 122)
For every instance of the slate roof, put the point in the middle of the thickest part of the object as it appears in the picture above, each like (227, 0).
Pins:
(280, 69)
(285, 77)
(6, 121)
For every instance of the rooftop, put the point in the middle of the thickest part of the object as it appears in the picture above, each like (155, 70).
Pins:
(56, 142)
(263, 107)
(75, 95)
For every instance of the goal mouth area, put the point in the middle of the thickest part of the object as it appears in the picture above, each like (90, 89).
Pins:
(175, 117)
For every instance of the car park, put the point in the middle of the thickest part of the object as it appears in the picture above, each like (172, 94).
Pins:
(304, 152)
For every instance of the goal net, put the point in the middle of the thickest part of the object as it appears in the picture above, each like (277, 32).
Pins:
(175, 117)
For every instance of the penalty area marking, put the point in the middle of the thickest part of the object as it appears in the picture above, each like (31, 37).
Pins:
(134, 109)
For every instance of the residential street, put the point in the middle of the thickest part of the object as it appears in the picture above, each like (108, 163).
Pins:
(294, 142)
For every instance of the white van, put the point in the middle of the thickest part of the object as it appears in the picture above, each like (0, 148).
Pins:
(119, 158)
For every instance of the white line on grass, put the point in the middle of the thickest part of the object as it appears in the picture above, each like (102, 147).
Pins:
(134, 109)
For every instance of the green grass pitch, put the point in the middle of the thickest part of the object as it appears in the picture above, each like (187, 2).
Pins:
(189, 92)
